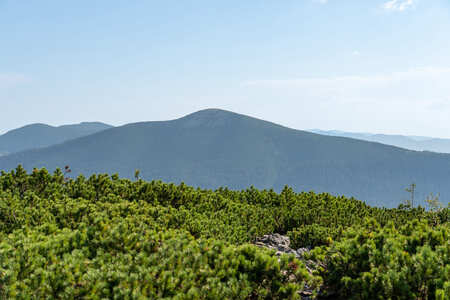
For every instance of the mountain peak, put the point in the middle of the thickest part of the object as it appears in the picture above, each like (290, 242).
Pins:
(210, 112)
(211, 117)
(40, 135)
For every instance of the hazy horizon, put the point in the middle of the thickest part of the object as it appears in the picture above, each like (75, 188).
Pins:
(358, 66)
(337, 131)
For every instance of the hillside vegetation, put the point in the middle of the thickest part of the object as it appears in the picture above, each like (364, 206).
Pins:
(108, 237)
(214, 148)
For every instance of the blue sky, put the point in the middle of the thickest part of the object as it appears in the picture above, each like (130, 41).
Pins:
(373, 66)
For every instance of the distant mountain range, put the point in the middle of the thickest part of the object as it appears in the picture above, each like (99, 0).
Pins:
(418, 143)
(41, 135)
(213, 148)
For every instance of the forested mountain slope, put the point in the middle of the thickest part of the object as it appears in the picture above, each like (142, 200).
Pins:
(213, 148)
(41, 135)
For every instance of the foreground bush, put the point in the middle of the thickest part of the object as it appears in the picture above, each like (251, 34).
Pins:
(107, 237)
(371, 262)
(127, 261)
(313, 235)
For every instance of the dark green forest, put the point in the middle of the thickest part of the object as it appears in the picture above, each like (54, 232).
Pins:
(72, 237)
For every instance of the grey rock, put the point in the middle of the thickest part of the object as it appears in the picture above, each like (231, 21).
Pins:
(302, 251)
(274, 240)
(281, 245)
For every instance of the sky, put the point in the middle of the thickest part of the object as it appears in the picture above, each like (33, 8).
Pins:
(380, 66)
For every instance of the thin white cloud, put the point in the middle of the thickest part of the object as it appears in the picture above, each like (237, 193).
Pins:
(356, 53)
(399, 5)
(321, 1)
(420, 84)
(8, 80)
(414, 101)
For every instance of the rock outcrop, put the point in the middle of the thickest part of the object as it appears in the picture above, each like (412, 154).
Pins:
(281, 244)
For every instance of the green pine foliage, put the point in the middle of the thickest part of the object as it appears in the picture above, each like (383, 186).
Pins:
(132, 261)
(313, 235)
(108, 237)
(391, 262)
